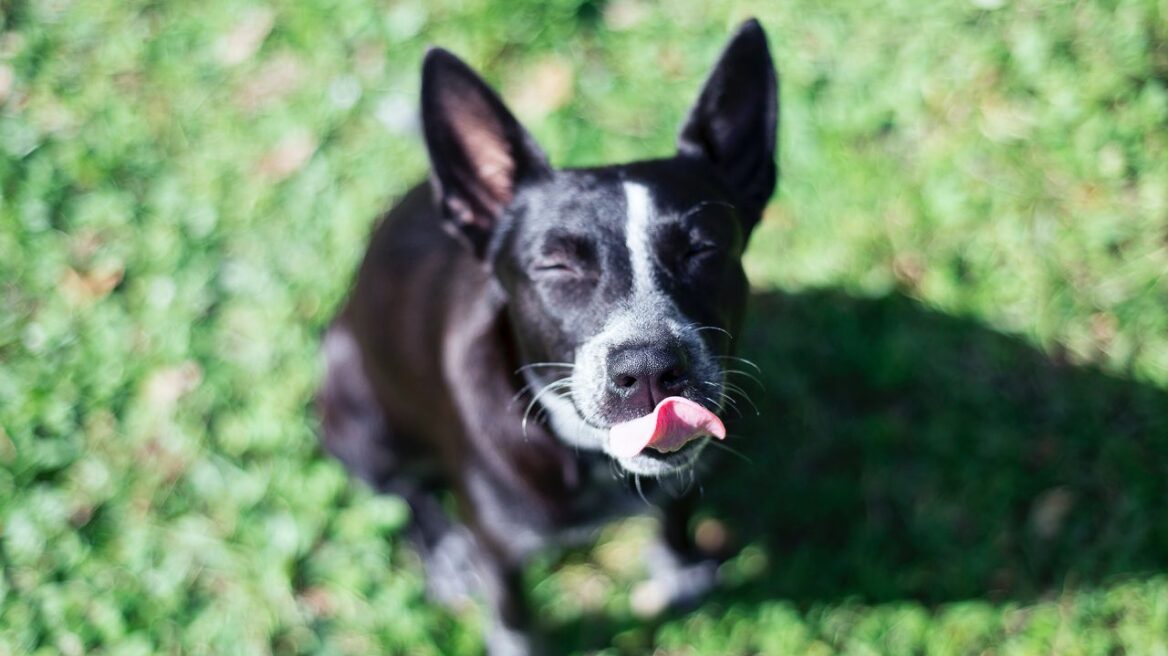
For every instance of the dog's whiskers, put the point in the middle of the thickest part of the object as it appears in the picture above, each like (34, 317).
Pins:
(544, 412)
(720, 403)
(698, 328)
(637, 483)
(534, 365)
(684, 480)
(715, 329)
(731, 450)
(735, 358)
(735, 389)
(522, 390)
(617, 471)
(747, 375)
(725, 399)
(753, 406)
(552, 387)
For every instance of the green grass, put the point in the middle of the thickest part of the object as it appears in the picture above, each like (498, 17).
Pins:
(961, 310)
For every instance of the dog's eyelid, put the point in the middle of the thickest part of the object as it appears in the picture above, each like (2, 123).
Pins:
(699, 237)
(701, 251)
(568, 251)
(716, 209)
(558, 263)
(713, 226)
(553, 264)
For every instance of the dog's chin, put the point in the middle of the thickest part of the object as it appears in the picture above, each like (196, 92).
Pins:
(654, 464)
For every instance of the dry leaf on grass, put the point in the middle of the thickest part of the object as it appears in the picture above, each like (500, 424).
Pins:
(167, 385)
(7, 77)
(272, 81)
(544, 90)
(84, 288)
(288, 156)
(246, 38)
(625, 14)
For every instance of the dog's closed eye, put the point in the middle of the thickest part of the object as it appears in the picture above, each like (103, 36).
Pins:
(564, 256)
(701, 249)
(556, 265)
(693, 247)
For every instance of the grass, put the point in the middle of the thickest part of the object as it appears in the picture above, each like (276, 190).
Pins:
(960, 309)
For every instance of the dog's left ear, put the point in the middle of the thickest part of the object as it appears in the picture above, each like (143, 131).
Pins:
(733, 122)
(479, 154)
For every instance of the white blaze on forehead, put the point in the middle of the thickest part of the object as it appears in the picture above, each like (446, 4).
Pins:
(639, 205)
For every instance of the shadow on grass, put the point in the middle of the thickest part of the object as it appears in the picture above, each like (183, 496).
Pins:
(906, 454)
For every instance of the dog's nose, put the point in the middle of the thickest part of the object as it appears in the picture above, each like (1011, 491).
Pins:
(643, 375)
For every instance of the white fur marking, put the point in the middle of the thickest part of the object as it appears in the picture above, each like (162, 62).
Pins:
(637, 237)
(566, 421)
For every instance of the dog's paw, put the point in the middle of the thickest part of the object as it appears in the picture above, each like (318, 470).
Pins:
(503, 641)
(452, 579)
(672, 583)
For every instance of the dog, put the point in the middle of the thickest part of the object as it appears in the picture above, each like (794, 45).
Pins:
(534, 342)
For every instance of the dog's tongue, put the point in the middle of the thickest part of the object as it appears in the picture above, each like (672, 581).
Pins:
(673, 423)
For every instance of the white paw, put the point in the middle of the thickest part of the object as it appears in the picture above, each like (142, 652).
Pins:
(451, 576)
(672, 584)
(502, 641)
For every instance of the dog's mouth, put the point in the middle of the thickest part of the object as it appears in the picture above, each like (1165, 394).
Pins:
(666, 440)
(674, 423)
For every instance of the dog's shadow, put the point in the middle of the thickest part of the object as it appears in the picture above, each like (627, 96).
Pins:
(904, 454)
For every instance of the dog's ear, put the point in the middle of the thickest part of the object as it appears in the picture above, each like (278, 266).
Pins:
(479, 153)
(733, 122)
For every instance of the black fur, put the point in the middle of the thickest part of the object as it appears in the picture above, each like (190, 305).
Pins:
(429, 378)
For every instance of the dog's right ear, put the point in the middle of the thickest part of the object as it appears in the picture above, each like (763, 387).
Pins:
(733, 123)
(479, 154)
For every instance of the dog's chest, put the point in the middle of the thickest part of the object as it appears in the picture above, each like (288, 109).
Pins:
(602, 496)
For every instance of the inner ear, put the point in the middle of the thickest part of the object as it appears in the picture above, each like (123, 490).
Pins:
(485, 157)
(479, 154)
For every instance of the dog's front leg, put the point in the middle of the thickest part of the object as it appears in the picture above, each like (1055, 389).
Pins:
(680, 573)
(505, 539)
(510, 630)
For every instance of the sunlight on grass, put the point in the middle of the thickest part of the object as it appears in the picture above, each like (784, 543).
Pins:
(961, 312)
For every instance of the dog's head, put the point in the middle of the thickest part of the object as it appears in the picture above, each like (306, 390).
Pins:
(624, 283)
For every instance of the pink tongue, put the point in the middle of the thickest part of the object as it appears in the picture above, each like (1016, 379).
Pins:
(672, 424)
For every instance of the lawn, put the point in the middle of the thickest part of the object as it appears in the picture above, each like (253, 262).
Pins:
(960, 310)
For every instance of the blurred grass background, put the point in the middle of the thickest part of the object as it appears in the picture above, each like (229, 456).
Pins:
(961, 311)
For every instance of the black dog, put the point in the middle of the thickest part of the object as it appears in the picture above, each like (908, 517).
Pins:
(515, 330)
